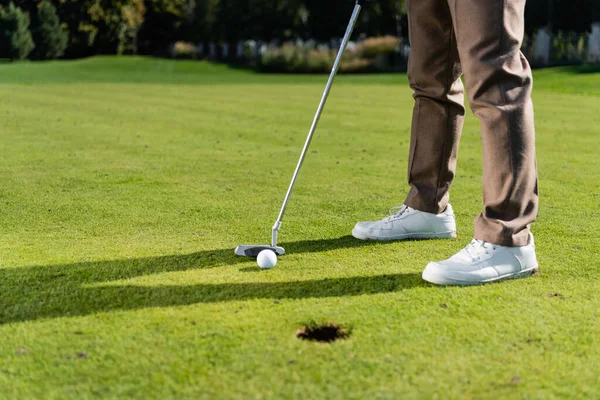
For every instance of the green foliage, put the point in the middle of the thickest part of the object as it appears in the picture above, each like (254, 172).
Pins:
(165, 22)
(206, 18)
(372, 47)
(132, 21)
(108, 18)
(152, 26)
(257, 19)
(51, 38)
(565, 15)
(291, 58)
(327, 19)
(101, 26)
(384, 17)
(568, 48)
(372, 55)
(16, 42)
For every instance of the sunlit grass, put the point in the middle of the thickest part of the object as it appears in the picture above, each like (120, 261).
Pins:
(126, 183)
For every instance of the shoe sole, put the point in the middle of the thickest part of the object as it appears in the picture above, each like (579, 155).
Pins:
(444, 235)
(438, 279)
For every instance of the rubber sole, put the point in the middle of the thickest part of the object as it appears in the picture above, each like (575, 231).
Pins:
(439, 279)
(417, 236)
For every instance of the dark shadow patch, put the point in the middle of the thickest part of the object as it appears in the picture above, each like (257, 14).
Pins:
(587, 69)
(560, 296)
(30, 293)
(326, 333)
(319, 246)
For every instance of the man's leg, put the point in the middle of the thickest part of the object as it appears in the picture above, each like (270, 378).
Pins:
(498, 80)
(434, 74)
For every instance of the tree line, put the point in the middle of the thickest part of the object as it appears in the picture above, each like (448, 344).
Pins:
(48, 29)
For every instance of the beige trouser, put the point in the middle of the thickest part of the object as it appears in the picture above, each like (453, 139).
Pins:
(480, 39)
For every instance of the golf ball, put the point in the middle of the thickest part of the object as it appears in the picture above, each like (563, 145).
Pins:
(266, 259)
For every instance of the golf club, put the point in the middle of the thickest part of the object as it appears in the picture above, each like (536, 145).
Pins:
(253, 250)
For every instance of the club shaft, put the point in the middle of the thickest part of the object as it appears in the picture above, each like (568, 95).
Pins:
(313, 127)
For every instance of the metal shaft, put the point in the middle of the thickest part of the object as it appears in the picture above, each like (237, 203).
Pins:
(313, 127)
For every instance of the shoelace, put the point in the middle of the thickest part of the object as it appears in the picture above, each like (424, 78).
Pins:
(477, 248)
(396, 212)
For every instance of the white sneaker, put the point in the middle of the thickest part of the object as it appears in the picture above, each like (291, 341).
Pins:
(483, 262)
(407, 223)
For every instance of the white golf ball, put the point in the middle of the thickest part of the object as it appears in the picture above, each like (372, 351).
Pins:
(266, 259)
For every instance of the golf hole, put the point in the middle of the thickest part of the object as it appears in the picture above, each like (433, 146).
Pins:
(326, 333)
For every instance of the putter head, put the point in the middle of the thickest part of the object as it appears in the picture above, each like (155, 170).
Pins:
(253, 250)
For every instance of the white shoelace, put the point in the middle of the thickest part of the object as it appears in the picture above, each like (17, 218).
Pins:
(477, 248)
(396, 212)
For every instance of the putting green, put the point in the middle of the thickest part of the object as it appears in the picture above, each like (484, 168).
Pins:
(125, 184)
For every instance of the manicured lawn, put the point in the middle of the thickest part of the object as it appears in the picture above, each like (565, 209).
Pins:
(125, 184)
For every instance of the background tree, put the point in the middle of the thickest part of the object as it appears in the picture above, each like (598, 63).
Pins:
(82, 18)
(94, 25)
(205, 20)
(254, 19)
(326, 19)
(165, 22)
(50, 37)
(384, 17)
(133, 19)
(112, 26)
(566, 15)
(15, 37)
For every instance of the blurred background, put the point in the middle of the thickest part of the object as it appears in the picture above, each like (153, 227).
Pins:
(267, 35)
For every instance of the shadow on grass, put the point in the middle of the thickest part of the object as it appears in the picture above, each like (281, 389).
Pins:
(31, 293)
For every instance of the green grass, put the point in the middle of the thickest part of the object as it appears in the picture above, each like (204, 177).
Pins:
(126, 183)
